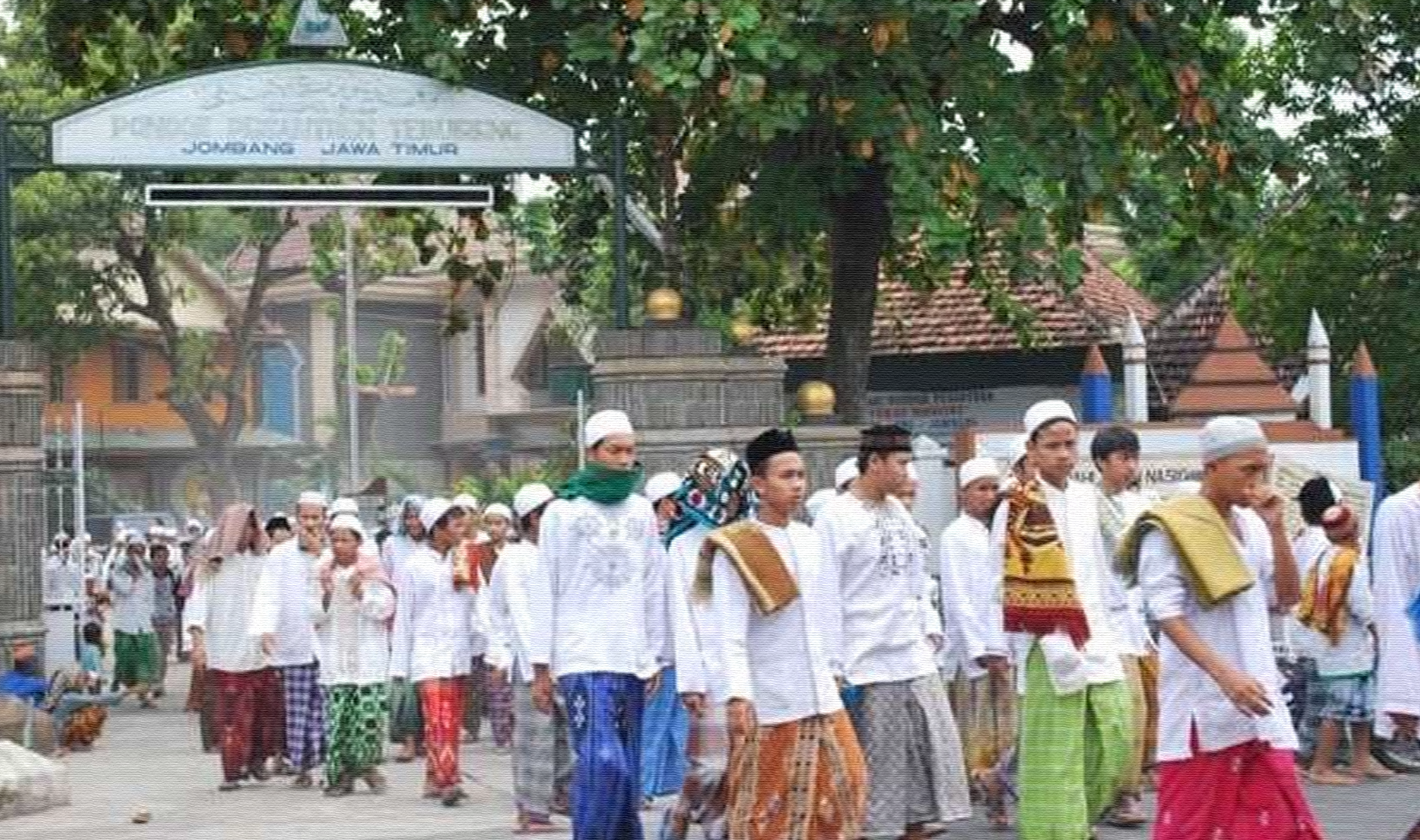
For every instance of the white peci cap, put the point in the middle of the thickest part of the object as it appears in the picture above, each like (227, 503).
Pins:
(603, 425)
(530, 497)
(661, 485)
(1046, 412)
(434, 510)
(347, 522)
(846, 471)
(977, 469)
(498, 509)
(344, 504)
(1226, 436)
(465, 501)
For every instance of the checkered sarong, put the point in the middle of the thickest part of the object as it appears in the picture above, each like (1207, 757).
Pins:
(542, 755)
(305, 715)
(1073, 753)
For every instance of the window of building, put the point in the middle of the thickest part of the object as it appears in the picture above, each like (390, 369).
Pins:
(57, 383)
(127, 373)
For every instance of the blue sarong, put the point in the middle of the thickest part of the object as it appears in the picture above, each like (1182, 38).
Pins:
(1414, 612)
(604, 721)
(665, 730)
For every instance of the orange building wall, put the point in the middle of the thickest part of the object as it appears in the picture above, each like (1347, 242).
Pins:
(91, 380)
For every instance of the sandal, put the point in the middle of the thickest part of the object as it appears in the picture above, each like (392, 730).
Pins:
(1330, 777)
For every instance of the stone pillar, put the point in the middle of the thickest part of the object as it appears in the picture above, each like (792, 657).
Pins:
(686, 392)
(22, 384)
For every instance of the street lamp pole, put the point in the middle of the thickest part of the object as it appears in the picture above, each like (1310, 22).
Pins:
(352, 398)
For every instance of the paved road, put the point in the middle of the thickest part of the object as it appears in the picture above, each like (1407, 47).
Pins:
(151, 759)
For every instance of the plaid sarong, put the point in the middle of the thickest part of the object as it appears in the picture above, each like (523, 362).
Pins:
(913, 750)
(305, 715)
(542, 755)
(1072, 756)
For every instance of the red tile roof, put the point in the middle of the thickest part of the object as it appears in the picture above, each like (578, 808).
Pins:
(954, 318)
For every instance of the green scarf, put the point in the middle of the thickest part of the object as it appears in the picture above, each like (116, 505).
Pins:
(602, 484)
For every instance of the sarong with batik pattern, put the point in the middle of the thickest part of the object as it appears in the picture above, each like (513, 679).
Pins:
(475, 699)
(800, 780)
(985, 709)
(354, 730)
(441, 701)
(913, 750)
(542, 755)
(1073, 751)
(244, 707)
(604, 719)
(703, 794)
(305, 715)
(498, 707)
(664, 729)
(1246, 792)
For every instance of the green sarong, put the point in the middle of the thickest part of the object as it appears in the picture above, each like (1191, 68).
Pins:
(135, 657)
(354, 730)
(406, 718)
(1074, 750)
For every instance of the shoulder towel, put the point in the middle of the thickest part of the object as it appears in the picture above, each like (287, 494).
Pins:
(755, 558)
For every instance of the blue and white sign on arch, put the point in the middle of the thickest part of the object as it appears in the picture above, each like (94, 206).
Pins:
(311, 115)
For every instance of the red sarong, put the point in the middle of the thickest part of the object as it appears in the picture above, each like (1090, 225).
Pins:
(441, 701)
(1246, 792)
(247, 715)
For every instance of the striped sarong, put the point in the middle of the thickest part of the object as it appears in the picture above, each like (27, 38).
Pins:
(799, 780)
(913, 750)
(542, 756)
(1073, 751)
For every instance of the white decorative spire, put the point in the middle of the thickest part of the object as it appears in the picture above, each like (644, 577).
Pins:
(1136, 372)
(1319, 371)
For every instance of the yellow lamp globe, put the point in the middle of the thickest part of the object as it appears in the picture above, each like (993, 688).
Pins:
(664, 304)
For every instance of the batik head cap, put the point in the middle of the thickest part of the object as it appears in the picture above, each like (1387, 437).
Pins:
(817, 501)
(344, 504)
(434, 509)
(1046, 412)
(885, 437)
(977, 469)
(846, 471)
(348, 522)
(767, 444)
(312, 497)
(662, 485)
(530, 497)
(465, 501)
(603, 425)
(498, 509)
(1224, 437)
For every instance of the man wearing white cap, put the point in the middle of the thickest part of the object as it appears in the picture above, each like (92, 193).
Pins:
(659, 488)
(472, 557)
(542, 758)
(845, 473)
(1213, 568)
(433, 628)
(978, 660)
(281, 617)
(600, 624)
(916, 774)
(1076, 712)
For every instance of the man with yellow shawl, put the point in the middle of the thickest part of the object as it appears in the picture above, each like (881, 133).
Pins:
(1076, 711)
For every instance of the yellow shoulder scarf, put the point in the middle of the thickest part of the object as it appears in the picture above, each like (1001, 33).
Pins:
(1040, 596)
(754, 556)
(1215, 570)
(1323, 606)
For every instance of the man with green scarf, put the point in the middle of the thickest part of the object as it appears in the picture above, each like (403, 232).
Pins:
(599, 611)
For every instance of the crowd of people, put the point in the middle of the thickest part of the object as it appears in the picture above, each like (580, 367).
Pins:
(1071, 645)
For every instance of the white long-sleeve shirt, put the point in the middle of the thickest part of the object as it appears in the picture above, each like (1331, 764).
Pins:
(783, 663)
(283, 605)
(698, 665)
(1126, 602)
(881, 566)
(395, 551)
(133, 599)
(1237, 629)
(1396, 570)
(971, 596)
(221, 606)
(354, 632)
(1077, 520)
(510, 621)
(599, 600)
(433, 621)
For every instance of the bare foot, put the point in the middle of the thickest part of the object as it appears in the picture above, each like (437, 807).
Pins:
(1375, 770)
(1329, 776)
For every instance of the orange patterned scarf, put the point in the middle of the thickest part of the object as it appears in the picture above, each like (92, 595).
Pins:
(1323, 606)
(1040, 595)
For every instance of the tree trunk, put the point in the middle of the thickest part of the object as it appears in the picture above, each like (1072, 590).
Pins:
(862, 221)
(224, 484)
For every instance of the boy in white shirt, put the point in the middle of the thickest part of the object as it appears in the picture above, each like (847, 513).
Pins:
(1212, 567)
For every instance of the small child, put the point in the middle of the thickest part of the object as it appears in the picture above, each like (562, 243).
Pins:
(1337, 607)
